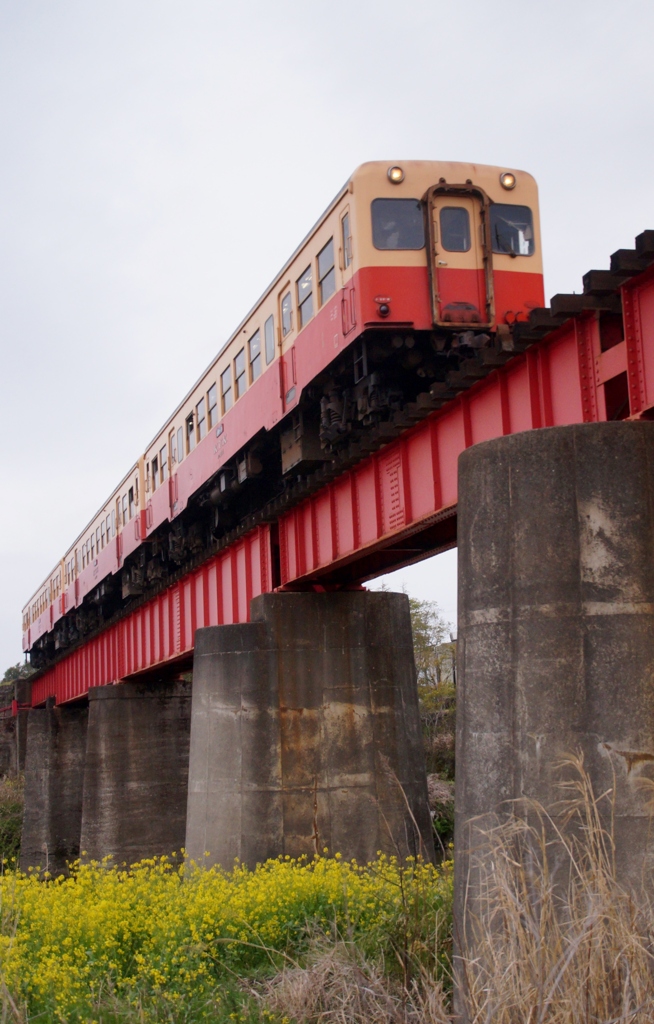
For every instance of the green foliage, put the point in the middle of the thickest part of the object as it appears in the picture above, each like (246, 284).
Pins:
(432, 645)
(11, 819)
(17, 671)
(435, 655)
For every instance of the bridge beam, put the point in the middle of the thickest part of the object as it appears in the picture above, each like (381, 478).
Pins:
(305, 732)
(556, 629)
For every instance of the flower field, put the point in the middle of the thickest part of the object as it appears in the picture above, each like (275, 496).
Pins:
(166, 942)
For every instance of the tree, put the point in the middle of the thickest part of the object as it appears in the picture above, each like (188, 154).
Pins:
(15, 672)
(435, 657)
(433, 646)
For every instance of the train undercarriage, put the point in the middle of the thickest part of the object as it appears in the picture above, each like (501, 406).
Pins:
(383, 384)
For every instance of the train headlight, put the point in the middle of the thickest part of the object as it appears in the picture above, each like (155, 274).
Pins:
(395, 174)
(507, 180)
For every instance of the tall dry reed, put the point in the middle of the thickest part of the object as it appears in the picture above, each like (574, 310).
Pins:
(557, 938)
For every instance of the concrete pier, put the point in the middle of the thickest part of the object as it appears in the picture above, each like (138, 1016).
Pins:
(54, 773)
(305, 732)
(136, 771)
(556, 627)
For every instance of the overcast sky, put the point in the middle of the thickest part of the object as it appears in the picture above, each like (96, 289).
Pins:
(160, 160)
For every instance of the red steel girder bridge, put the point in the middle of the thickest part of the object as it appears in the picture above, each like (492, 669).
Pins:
(586, 358)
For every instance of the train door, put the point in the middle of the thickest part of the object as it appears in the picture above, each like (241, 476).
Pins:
(346, 263)
(459, 257)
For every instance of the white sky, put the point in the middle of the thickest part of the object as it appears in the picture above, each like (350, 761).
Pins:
(160, 160)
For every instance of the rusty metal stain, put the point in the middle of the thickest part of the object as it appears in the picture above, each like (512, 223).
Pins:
(631, 757)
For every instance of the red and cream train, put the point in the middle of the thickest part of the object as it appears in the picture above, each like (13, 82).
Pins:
(412, 267)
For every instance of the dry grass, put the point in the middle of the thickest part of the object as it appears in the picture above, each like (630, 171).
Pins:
(558, 940)
(338, 985)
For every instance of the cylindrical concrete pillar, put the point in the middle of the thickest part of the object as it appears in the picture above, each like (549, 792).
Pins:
(136, 771)
(306, 733)
(54, 773)
(556, 626)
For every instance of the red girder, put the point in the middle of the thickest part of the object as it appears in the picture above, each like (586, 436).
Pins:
(394, 507)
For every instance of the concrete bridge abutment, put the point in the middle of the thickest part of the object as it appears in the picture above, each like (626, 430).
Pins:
(305, 732)
(556, 631)
(136, 771)
(54, 775)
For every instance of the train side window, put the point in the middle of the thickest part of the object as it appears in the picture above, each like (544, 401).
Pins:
(102, 534)
(512, 229)
(163, 463)
(326, 272)
(269, 334)
(83, 556)
(97, 540)
(305, 297)
(190, 434)
(92, 547)
(131, 503)
(202, 419)
(113, 523)
(397, 224)
(212, 400)
(239, 373)
(254, 346)
(124, 510)
(287, 314)
(155, 473)
(180, 444)
(226, 388)
(455, 229)
(347, 241)
(172, 437)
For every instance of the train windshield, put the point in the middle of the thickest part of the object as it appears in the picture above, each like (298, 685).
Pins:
(512, 229)
(397, 224)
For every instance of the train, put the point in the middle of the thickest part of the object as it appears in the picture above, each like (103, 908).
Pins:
(413, 268)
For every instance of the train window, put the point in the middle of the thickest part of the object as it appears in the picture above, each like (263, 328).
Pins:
(397, 224)
(113, 523)
(155, 473)
(190, 434)
(202, 418)
(226, 388)
(124, 510)
(131, 503)
(212, 400)
(173, 449)
(305, 297)
(83, 556)
(347, 241)
(287, 314)
(326, 272)
(163, 463)
(512, 229)
(97, 540)
(92, 547)
(239, 373)
(102, 534)
(455, 229)
(180, 444)
(254, 346)
(269, 335)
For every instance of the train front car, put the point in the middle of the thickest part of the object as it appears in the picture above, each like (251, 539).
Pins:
(447, 260)
(456, 246)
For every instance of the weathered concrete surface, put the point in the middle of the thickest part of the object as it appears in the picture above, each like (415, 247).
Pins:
(306, 734)
(136, 771)
(556, 626)
(54, 772)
